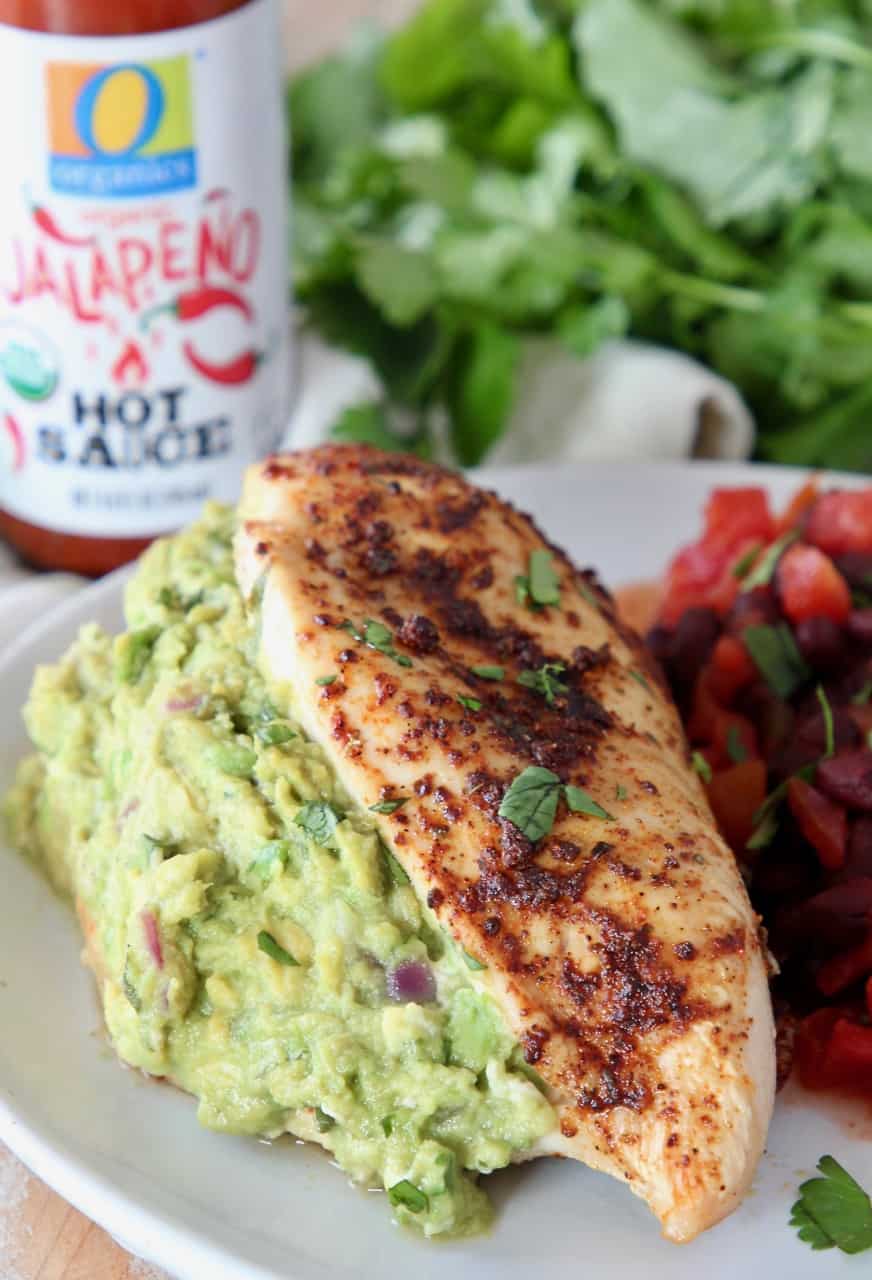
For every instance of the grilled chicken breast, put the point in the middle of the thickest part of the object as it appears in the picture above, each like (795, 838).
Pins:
(620, 945)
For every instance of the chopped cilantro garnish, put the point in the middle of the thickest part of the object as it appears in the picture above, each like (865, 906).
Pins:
(318, 820)
(833, 1211)
(862, 696)
(540, 585)
(701, 766)
(407, 1194)
(232, 758)
(273, 735)
(471, 962)
(774, 652)
(587, 594)
(736, 749)
(546, 680)
(743, 564)
(489, 673)
(580, 802)
(323, 681)
(640, 679)
(621, 793)
(761, 575)
(395, 871)
(530, 803)
(324, 1122)
(829, 728)
(471, 704)
(388, 806)
(268, 945)
(268, 855)
(377, 636)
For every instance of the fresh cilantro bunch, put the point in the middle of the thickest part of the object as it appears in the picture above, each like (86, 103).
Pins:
(696, 172)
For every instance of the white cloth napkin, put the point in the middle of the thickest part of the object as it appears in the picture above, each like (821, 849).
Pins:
(630, 400)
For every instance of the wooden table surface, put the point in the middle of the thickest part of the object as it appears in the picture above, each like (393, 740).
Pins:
(42, 1237)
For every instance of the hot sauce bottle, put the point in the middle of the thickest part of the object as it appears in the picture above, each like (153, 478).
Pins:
(143, 294)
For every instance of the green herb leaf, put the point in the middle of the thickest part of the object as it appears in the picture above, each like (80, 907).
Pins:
(701, 766)
(318, 820)
(409, 1196)
(621, 792)
(157, 842)
(580, 802)
(471, 704)
(387, 1125)
(736, 749)
(471, 962)
(273, 735)
(268, 945)
(396, 873)
(586, 594)
(829, 728)
(324, 681)
(640, 679)
(862, 696)
(389, 806)
(546, 680)
(275, 851)
(489, 673)
(543, 583)
(774, 653)
(530, 803)
(324, 1122)
(833, 1211)
(744, 563)
(377, 636)
(762, 574)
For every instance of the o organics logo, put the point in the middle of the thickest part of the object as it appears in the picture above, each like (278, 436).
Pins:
(120, 130)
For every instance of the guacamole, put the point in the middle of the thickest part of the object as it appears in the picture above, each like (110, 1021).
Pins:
(255, 941)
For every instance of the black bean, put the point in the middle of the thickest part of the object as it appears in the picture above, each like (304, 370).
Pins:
(847, 778)
(821, 642)
(659, 641)
(860, 625)
(856, 568)
(752, 609)
(772, 718)
(692, 642)
(837, 916)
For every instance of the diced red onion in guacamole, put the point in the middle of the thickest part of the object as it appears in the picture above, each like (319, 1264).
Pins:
(191, 703)
(411, 983)
(152, 938)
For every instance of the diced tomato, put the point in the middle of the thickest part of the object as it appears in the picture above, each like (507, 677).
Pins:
(848, 1055)
(735, 795)
(812, 1038)
(810, 585)
(823, 823)
(736, 516)
(846, 968)
(841, 521)
(733, 732)
(732, 668)
(834, 1051)
(798, 505)
(702, 574)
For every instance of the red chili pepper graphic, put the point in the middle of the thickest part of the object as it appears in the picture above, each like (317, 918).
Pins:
(16, 436)
(198, 302)
(232, 373)
(46, 222)
(131, 366)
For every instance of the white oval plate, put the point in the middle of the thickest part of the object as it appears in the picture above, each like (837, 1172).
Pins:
(129, 1153)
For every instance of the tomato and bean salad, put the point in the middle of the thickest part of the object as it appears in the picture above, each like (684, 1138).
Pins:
(765, 635)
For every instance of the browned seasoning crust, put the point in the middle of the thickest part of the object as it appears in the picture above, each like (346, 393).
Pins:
(607, 941)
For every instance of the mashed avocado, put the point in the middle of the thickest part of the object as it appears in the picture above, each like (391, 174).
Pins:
(253, 936)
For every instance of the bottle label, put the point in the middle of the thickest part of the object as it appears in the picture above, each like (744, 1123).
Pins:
(143, 294)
